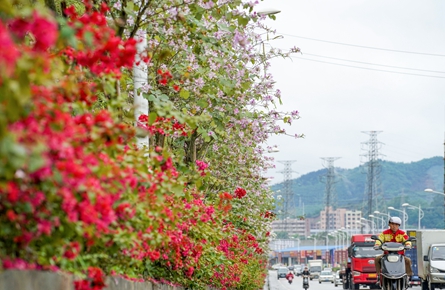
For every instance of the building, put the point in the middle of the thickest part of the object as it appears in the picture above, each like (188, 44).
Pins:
(292, 226)
(340, 218)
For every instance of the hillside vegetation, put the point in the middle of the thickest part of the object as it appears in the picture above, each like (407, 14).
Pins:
(399, 183)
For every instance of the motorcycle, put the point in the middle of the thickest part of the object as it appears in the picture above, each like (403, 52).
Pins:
(289, 279)
(393, 274)
(305, 282)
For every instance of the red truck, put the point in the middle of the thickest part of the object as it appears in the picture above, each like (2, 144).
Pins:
(360, 269)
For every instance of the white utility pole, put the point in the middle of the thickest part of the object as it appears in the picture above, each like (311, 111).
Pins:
(140, 77)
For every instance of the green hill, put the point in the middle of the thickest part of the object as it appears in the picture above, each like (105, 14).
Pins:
(398, 183)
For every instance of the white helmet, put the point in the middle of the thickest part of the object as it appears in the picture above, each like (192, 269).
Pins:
(395, 220)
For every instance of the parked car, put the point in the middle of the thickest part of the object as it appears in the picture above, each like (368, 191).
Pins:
(338, 280)
(282, 272)
(326, 276)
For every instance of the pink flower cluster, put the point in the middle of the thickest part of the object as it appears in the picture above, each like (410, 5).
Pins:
(202, 166)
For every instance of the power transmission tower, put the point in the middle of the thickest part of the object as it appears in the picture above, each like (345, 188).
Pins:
(288, 194)
(330, 180)
(373, 166)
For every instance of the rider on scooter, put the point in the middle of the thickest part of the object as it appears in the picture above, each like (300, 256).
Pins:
(305, 272)
(393, 234)
(289, 276)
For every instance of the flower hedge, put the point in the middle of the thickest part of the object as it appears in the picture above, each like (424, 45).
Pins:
(77, 194)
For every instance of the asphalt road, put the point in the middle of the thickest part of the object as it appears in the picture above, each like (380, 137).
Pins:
(281, 284)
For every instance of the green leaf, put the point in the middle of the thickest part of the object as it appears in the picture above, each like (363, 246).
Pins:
(243, 21)
(152, 117)
(203, 103)
(184, 94)
(35, 163)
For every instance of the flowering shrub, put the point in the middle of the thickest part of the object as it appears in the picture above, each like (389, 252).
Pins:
(76, 193)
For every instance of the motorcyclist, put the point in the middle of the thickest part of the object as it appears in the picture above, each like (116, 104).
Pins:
(289, 276)
(306, 274)
(393, 234)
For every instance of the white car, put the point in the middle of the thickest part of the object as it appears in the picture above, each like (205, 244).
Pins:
(338, 280)
(276, 266)
(297, 269)
(326, 276)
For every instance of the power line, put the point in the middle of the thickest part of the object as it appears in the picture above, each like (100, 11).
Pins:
(362, 62)
(367, 68)
(362, 46)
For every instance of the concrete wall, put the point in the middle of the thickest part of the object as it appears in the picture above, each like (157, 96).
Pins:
(35, 280)
(43, 280)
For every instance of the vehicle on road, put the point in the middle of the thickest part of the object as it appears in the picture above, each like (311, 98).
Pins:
(282, 272)
(337, 279)
(314, 268)
(276, 266)
(393, 273)
(326, 276)
(412, 254)
(360, 269)
(431, 258)
(298, 269)
(414, 281)
(305, 282)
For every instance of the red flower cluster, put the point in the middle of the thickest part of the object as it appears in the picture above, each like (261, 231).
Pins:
(99, 56)
(44, 31)
(8, 52)
(72, 250)
(240, 192)
(164, 126)
(164, 76)
(95, 280)
(202, 166)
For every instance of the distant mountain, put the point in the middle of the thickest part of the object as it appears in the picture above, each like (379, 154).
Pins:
(398, 183)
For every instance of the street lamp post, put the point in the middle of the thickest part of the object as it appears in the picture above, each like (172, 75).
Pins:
(315, 243)
(362, 224)
(438, 192)
(341, 238)
(344, 238)
(405, 216)
(333, 234)
(383, 214)
(298, 251)
(380, 218)
(421, 214)
(373, 224)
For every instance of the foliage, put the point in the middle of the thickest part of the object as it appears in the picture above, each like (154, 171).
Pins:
(400, 183)
(78, 195)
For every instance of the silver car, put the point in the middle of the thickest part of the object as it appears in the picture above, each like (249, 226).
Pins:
(326, 276)
(338, 280)
(282, 272)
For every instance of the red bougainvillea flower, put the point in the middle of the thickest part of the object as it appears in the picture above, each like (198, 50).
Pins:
(240, 192)
(8, 52)
(73, 249)
(45, 32)
(201, 166)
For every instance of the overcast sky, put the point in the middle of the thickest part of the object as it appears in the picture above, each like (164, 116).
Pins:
(337, 101)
